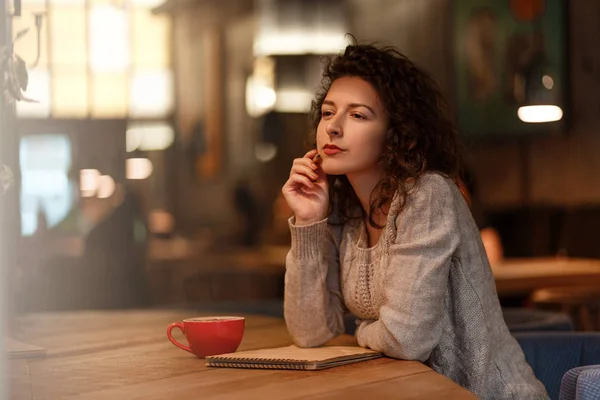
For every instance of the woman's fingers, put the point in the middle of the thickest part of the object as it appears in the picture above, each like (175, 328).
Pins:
(301, 180)
(304, 170)
(306, 162)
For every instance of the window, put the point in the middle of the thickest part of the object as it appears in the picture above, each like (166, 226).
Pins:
(45, 188)
(97, 59)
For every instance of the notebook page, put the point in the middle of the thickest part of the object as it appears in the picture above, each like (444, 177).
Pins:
(294, 353)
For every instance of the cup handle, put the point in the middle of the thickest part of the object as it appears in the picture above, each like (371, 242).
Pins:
(172, 339)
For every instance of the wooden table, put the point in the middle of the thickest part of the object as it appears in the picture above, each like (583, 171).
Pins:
(126, 355)
(524, 275)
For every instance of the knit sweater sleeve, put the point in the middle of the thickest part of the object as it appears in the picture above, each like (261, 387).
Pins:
(416, 279)
(313, 307)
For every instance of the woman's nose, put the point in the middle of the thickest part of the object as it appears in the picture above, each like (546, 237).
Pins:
(334, 127)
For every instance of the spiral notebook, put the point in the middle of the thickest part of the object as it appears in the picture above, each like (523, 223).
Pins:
(293, 357)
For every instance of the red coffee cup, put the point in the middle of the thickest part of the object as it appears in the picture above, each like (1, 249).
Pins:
(209, 336)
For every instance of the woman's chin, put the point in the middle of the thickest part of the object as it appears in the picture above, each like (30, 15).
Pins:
(333, 169)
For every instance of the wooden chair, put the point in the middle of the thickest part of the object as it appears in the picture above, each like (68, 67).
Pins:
(582, 303)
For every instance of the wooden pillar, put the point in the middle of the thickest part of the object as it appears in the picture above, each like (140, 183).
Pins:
(208, 166)
(10, 228)
(199, 65)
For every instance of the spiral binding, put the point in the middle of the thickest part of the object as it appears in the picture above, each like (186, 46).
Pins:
(259, 363)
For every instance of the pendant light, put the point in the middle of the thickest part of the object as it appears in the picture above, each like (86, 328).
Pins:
(534, 87)
(538, 94)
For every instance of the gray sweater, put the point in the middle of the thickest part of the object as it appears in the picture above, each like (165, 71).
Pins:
(424, 292)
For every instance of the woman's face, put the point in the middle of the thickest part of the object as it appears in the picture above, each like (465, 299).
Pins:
(351, 133)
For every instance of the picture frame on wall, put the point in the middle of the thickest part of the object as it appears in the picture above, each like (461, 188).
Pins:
(508, 55)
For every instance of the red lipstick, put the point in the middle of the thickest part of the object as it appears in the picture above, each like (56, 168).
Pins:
(331, 149)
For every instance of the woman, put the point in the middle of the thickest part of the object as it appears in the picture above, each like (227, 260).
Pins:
(381, 229)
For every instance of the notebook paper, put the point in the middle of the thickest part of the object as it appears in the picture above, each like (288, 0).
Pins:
(293, 357)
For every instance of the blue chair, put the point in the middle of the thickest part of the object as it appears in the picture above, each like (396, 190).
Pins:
(552, 354)
(588, 385)
(571, 388)
(520, 319)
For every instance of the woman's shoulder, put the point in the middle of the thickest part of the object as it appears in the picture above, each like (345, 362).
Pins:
(432, 188)
(431, 200)
(435, 182)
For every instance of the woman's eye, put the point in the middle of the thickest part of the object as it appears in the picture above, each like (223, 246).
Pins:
(327, 113)
(359, 116)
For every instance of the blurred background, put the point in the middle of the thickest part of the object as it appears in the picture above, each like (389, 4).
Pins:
(147, 173)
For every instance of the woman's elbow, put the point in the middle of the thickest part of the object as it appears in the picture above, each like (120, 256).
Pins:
(416, 354)
(407, 354)
(407, 347)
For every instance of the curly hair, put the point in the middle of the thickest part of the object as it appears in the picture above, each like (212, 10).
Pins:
(421, 136)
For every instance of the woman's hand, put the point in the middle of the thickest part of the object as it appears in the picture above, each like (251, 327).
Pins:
(307, 191)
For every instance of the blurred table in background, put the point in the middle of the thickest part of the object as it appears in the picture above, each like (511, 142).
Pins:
(523, 275)
(182, 271)
(208, 275)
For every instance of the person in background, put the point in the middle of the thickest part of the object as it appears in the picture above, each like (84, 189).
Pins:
(380, 228)
(489, 235)
(247, 208)
(279, 231)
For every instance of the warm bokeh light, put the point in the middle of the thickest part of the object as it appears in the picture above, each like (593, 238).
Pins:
(70, 96)
(89, 179)
(260, 87)
(106, 187)
(537, 114)
(548, 82)
(151, 93)
(147, 3)
(138, 168)
(299, 43)
(108, 39)
(109, 95)
(293, 100)
(160, 221)
(292, 27)
(150, 40)
(260, 98)
(265, 152)
(149, 136)
(67, 23)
